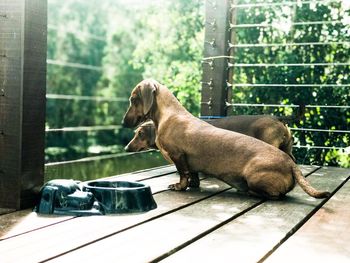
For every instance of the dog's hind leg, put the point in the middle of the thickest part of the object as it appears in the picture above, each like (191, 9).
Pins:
(264, 195)
(267, 188)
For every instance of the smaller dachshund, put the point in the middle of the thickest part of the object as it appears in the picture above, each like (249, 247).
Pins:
(270, 129)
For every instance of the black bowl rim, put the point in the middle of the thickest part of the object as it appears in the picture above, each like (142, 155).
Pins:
(139, 187)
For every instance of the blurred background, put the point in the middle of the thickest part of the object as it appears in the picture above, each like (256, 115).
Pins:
(99, 50)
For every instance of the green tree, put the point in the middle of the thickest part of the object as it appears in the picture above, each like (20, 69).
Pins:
(171, 48)
(283, 31)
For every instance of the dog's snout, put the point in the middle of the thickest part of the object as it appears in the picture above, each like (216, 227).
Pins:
(127, 148)
(126, 123)
(123, 122)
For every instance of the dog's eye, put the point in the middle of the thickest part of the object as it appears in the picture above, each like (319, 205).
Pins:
(141, 134)
(134, 100)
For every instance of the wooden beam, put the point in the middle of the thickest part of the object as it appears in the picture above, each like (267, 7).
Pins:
(23, 30)
(215, 71)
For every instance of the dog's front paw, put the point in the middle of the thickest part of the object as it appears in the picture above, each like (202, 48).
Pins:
(176, 187)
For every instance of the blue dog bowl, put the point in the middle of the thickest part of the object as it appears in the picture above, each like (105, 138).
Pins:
(121, 196)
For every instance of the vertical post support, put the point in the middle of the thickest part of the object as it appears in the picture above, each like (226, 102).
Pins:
(215, 63)
(23, 45)
(231, 53)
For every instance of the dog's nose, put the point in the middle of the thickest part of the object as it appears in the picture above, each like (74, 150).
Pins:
(127, 123)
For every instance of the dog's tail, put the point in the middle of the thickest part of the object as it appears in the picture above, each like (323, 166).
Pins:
(305, 185)
(294, 118)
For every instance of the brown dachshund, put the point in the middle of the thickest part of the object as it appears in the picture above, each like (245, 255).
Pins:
(144, 138)
(269, 129)
(244, 162)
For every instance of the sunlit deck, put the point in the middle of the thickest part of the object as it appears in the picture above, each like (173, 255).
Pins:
(210, 224)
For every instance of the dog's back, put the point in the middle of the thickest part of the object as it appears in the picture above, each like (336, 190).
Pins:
(263, 127)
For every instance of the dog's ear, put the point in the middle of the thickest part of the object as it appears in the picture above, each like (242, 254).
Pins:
(152, 129)
(147, 90)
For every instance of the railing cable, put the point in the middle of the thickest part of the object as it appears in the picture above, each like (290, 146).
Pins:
(90, 98)
(289, 85)
(285, 106)
(84, 128)
(278, 24)
(72, 65)
(287, 3)
(318, 130)
(76, 33)
(287, 44)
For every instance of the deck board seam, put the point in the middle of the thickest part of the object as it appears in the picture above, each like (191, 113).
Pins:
(207, 232)
(38, 228)
(155, 176)
(223, 223)
(137, 224)
(74, 217)
(142, 222)
(303, 221)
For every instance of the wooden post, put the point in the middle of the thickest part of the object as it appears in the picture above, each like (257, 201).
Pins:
(215, 84)
(23, 31)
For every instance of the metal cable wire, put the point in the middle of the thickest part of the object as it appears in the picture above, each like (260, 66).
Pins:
(320, 147)
(287, 44)
(90, 98)
(306, 23)
(98, 158)
(285, 106)
(72, 65)
(336, 64)
(209, 60)
(76, 33)
(84, 128)
(287, 3)
(289, 85)
(319, 130)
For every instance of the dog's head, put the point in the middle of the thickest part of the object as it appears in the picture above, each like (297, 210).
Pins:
(144, 138)
(141, 102)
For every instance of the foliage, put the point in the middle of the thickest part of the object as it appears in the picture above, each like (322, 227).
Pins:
(170, 50)
(283, 31)
(164, 40)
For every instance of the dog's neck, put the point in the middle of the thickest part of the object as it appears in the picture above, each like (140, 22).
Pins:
(165, 105)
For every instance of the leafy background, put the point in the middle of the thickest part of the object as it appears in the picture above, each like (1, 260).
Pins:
(133, 40)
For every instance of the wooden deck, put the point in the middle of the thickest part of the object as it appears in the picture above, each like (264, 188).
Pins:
(210, 224)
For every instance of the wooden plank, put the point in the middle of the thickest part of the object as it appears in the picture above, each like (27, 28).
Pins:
(215, 72)
(324, 238)
(4, 211)
(100, 228)
(182, 225)
(22, 101)
(9, 106)
(49, 242)
(251, 236)
(24, 221)
(155, 238)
